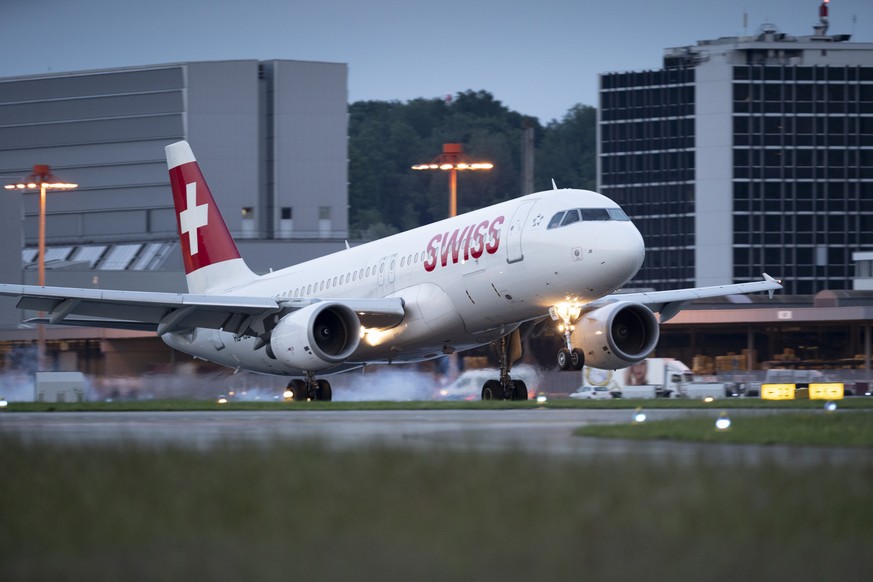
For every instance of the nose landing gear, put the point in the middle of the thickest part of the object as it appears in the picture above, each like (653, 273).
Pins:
(569, 358)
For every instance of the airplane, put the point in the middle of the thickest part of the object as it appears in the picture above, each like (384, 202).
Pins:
(484, 277)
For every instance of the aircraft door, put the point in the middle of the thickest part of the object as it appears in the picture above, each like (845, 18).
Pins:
(387, 270)
(516, 226)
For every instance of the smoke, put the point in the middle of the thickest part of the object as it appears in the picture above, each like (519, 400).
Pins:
(16, 386)
(384, 383)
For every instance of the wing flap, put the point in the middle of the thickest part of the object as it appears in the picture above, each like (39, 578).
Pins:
(168, 312)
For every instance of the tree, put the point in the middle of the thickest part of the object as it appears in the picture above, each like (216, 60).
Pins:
(387, 138)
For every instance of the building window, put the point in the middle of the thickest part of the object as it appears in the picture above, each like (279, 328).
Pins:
(325, 225)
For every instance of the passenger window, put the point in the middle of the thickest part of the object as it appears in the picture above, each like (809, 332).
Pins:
(571, 217)
(555, 222)
(309, 289)
(334, 281)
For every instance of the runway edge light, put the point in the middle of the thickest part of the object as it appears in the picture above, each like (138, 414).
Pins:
(723, 422)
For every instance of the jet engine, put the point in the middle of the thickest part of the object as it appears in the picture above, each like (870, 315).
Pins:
(316, 337)
(617, 335)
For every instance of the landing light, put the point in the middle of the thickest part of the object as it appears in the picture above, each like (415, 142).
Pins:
(709, 399)
(542, 398)
(287, 395)
(222, 400)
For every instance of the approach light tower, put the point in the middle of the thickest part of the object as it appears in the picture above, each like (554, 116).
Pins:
(452, 159)
(43, 180)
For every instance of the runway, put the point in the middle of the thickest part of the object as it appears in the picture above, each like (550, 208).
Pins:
(538, 431)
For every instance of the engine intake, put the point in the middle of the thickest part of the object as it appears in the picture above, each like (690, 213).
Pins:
(317, 336)
(617, 335)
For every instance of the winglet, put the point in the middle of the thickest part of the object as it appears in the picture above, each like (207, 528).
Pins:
(554, 186)
(770, 279)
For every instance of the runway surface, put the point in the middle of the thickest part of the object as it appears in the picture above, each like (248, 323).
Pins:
(539, 431)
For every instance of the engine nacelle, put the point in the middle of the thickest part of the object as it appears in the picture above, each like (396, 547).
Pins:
(617, 335)
(317, 336)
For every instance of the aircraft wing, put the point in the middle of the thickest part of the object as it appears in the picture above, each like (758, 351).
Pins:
(168, 312)
(668, 303)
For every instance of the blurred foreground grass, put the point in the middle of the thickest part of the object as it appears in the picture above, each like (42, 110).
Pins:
(304, 512)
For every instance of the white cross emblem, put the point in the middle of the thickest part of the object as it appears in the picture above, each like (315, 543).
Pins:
(193, 217)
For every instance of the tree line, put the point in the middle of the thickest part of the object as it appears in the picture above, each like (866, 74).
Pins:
(386, 138)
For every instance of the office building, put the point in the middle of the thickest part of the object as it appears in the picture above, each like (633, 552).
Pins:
(745, 155)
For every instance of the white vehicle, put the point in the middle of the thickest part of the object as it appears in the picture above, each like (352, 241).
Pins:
(468, 385)
(475, 279)
(593, 393)
(655, 377)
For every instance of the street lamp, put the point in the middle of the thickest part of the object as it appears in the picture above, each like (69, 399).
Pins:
(452, 159)
(43, 180)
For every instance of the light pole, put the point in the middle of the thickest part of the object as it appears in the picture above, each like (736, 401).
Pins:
(452, 159)
(42, 179)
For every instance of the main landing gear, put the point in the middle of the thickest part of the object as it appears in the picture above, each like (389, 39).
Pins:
(508, 351)
(310, 389)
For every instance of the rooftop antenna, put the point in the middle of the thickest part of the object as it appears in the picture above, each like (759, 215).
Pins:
(821, 29)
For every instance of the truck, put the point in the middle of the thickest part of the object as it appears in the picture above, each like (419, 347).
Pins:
(655, 378)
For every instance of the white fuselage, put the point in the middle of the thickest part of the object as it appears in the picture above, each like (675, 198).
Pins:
(465, 281)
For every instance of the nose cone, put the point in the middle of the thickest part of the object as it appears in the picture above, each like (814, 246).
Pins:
(620, 250)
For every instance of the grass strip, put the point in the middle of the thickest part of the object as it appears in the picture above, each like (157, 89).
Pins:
(838, 429)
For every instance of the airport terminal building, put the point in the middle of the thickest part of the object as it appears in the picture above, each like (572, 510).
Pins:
(745, 155)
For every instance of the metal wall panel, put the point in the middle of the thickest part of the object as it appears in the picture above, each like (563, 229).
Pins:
(90, 84)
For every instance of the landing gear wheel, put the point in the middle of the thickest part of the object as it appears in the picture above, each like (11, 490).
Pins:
(324, 391)
(492, 390)
(300, 390)
(564, 359)
(577, 359)
(519, 390)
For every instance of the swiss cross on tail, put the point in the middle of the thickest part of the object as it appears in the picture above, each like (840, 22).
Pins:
(202, 232)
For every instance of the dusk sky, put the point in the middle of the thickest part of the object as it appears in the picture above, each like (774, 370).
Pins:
(538, 57)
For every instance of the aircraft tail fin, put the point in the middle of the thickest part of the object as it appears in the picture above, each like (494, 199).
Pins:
(212, 261)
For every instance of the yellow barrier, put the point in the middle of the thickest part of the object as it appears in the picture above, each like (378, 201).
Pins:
(828, 391)
(777, 391)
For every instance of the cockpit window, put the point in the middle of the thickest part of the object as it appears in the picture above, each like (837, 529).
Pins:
(571, 217)
(555, 222)
(566, 217)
